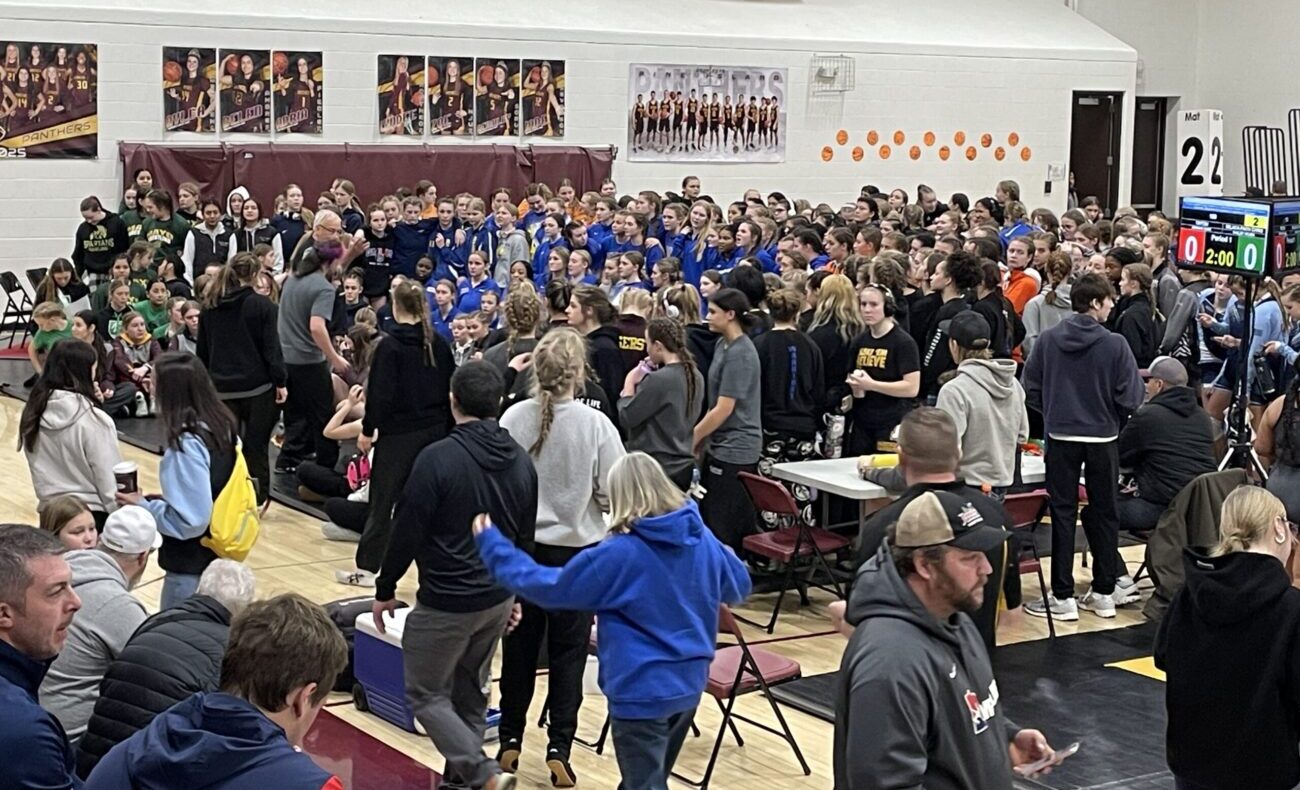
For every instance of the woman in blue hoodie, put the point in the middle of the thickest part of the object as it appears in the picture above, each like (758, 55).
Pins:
(655, 585)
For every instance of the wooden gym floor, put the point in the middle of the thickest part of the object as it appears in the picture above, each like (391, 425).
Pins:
(292, 557)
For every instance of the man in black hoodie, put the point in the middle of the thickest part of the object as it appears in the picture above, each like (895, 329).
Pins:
(1084, 381)
(450, 637)
(917, 703)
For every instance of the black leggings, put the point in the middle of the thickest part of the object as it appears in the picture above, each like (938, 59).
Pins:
(306, 413)
(395, 454)
(566, 634)
(256, 416)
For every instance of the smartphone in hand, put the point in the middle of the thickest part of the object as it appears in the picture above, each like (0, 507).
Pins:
(1030, 769)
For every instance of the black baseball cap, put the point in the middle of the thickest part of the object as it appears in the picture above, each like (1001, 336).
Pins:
(942, 518)
(969, 329)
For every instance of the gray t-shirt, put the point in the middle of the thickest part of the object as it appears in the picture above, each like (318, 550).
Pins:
(736, 373)
(302, 298)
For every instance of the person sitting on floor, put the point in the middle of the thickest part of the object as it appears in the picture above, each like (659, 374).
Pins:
(172, 655)
(281, 661)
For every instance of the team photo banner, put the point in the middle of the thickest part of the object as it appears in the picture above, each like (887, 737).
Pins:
(189, 79)
(451, 96)
(401, 95)
(49, 101)
(299, 95)
(706, 113)
(543, 98)
(246, 91)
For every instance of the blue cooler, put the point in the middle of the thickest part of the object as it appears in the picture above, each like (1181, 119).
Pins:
(377, 662)
(377, 659)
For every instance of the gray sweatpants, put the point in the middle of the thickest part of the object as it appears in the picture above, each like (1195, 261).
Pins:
(446, 655)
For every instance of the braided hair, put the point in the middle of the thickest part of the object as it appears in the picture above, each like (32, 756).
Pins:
(559, 371)
(672, 334)
(408, 296)
(522, 310)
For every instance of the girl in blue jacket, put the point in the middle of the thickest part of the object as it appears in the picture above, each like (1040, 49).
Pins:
(655, 585)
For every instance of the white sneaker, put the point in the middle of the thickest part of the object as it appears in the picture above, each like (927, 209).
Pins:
(1098, 604)
(1126, 591)
(1066, 610)
(331, 531)
(141, 405)
(356, 578)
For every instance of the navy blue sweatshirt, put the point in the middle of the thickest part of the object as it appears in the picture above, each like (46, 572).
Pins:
(1083, 379)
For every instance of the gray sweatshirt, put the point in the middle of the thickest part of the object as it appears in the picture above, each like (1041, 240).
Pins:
(658, 420)
(1041, 315)
(917, 704)
(511, 247)
(572, 469)
(988, 406)
(109, 615)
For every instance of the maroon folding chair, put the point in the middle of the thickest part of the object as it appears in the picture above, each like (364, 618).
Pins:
(737, 670)
(792, 541)
(1026, 512)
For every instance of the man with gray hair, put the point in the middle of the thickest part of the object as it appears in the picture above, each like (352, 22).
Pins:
(103, 578)
(37, 605)
(173, 655)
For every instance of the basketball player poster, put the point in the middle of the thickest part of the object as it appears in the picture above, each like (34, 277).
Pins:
(189, 89)
(542, 109)
(496, 93)
(401, 95)
(246, 91)
(451, 96)
(706, 113)
(49, 101)
(298, 87)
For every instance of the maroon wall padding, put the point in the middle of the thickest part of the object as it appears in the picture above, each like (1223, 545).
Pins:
(376, 170)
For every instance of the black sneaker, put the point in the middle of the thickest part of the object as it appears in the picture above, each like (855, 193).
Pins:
(508, 755)
(562, 774)
(286, 465)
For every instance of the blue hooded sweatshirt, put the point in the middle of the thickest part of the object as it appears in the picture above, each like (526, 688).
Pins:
(209, 741)
(655, 592)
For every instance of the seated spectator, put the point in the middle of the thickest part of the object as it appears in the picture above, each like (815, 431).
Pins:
(986, 403)
(346, 496)
(280, 664)
(103, 579)
(69, 443)
(37, 606)
(1166, 444)
(115, 400)
(134, 353)
(1228, 644)
(68, 519)
(174, 654)
(928, 455)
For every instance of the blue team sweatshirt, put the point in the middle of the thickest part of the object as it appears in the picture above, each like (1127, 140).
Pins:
(655, 592)
(211, 741)
(410, 243)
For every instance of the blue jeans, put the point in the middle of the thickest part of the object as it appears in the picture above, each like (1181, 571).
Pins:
(647, 748)
(176, 588)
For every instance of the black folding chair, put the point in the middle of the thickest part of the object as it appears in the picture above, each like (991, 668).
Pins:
(17, 314)
(35, 276)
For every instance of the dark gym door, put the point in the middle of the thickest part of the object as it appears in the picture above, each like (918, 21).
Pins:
(1094, 147)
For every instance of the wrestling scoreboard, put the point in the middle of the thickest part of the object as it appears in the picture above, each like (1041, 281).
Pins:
(1228, 235)
(1286, 226)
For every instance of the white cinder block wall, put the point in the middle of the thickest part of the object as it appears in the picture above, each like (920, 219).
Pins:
(989, 66)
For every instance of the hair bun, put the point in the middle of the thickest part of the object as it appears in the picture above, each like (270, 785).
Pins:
(980, 344)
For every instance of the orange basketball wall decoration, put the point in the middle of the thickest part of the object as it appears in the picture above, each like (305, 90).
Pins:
(929, 138)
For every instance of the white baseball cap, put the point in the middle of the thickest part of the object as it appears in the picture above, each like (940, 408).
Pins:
(130, 529)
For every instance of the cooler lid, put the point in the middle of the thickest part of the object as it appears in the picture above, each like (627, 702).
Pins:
(393, 626)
